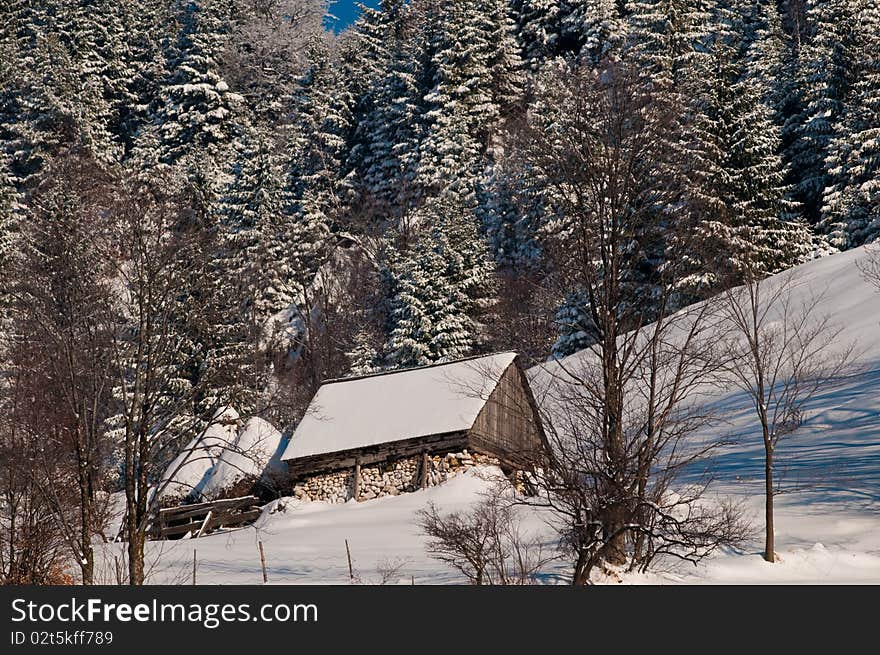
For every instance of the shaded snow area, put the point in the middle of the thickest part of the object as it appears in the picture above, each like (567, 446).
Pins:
(828, 522)
(188, 472)
(256, 451)
(224, 455)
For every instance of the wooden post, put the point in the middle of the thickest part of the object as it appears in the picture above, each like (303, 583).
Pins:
(118, 569)
(205, 524)
(263, 563)
(194, 566)
(357, 479)
(350, 568)
(424, 476)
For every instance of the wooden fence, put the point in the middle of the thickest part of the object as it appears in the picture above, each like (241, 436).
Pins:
(203, 518)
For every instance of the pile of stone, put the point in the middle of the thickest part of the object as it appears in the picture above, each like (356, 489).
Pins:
(329, 487)
(444, 467)
(392, 479)
(389, 479)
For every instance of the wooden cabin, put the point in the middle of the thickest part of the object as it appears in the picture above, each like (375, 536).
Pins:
(414, 426)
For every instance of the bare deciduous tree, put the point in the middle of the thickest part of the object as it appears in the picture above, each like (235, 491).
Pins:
(33, 549)
(649, 498)
(619, 416)
(63, 311)
(267, 51)
(781, 352)
(487, 543)
(166, 381)
(870, 266)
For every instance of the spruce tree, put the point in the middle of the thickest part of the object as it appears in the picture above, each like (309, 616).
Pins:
(738, 192)
(511, 212)
(538, 30)
(149, 27)
(381, 63)
(667, 38)
(825, 83)
(363, 357)
(10, 216)
(50, 96)
(573, 326)
(319, 138)
(458, 104)
(851, 211)
(254, 230)
(442, 289)
(389, 140)
(588, 30)
(198, 116)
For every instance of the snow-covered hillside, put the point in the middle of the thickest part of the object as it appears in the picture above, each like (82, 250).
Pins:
(828, 526)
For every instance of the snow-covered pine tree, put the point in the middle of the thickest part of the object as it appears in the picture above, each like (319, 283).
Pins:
(27, 121)
(319, 138)
(363, 356)
(573, 326)
(442, 288)
(418, 287)
(767, 52)
(198, 115)
(50, 97)
(737, 191)
(253, 232)
(667, 38)
(375, 33)
(510, 212)
(458, 105)
(94, 34)
(149, 26)
(585, 29)
(377, 64)
(10, 208)
(669, 44)
(195, 124)
(851, 211)
(537, 30)
(591, 29)
(503, 57)
(389, 140)
(825, 81)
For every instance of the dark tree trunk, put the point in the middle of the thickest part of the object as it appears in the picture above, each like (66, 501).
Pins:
(770, 540)
(581, 575)
(87, 556)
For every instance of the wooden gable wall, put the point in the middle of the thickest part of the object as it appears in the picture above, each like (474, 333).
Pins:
(509, 426)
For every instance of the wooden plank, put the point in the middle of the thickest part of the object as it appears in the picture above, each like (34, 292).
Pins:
(509, 425)
(231, 521)
(357, 480)
(223, 502)
(189, 511)
(240, 518)
(174, 530)
(205, 524)
(308, 466)
(426, 461)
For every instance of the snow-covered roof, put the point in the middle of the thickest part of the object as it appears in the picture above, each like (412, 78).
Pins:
(382, 408)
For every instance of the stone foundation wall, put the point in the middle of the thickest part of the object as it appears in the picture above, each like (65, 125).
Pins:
(389, 478)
